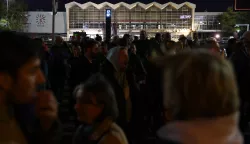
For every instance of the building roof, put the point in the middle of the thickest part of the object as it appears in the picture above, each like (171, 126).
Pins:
(129, 6)
(207, 13)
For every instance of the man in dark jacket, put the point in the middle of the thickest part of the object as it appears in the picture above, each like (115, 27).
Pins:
(26, 116)
(143, 46)
(241, 63)
(86, 65)
(58, 67)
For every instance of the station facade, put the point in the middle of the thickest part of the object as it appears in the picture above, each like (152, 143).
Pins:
(131, 18)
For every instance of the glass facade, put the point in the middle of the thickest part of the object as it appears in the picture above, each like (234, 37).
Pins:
(206, 21)
(135, 17)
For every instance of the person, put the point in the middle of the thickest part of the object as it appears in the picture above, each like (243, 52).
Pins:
(143, 46)
(123, 83)
(240, 60)
(44, 61)
(156, 46)
(96, 108)
(58, 67)
(183, 43)
(200, 100)
(26, 115)
(136, 65)
(230, 49)
(86, 64)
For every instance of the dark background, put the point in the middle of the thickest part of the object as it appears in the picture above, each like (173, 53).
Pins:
(242, 4)
(201, 5)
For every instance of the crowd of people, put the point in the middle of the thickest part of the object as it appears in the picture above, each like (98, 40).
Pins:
(126, 90)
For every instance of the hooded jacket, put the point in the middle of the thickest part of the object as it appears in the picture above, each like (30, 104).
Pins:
(120, 80)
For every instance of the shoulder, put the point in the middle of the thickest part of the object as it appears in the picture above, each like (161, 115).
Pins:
(115, 135)
(161, 141)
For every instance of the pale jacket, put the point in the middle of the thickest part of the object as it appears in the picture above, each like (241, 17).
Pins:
(220, 130)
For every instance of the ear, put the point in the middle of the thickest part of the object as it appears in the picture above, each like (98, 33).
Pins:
(94, 101)
(5, 81)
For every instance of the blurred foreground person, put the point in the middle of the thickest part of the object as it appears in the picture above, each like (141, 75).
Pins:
(26, 116)
(96, 108)
(200, 100)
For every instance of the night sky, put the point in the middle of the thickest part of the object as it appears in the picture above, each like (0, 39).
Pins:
(201, 5)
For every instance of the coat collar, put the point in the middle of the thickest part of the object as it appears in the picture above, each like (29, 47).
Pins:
(220, 130)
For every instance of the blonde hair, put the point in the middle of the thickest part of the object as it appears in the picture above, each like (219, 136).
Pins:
(198, 84)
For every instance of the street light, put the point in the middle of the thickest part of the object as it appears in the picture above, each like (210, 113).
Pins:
(54, 10)
(217, 36)
(7, 7)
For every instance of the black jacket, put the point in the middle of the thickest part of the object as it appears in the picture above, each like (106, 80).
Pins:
(241, 63)
(82, 69)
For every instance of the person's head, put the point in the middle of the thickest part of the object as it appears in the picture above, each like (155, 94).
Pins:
(246, 40)
(92, 48)
(198, 84)
(98, 38)
(20, 72)
(143, 35)
(104, 48)
(158, 37)
(166, 36)
(212, 44)
(115, 40)
(172, 47)
(118, 56)
(59, 40)
(124, 42)
(136, 38)
(126, 36)
(133, 48)
(95, 100)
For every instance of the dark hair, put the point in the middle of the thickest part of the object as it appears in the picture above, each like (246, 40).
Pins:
(98, 86)
(98, 38)
(157, 35)
(90, 43)
(126, 36)
(15, 51)
(123, 42)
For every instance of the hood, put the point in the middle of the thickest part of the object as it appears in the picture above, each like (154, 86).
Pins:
(113, 57)
(220, 130)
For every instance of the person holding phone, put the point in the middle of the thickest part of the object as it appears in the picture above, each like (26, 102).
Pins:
(20, 75)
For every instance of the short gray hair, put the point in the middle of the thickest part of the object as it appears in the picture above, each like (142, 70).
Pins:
(199, 84)
(98, 86)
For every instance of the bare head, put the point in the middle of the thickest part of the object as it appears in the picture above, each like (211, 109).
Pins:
(198, 84)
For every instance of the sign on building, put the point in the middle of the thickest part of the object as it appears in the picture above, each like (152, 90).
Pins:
(41, 22)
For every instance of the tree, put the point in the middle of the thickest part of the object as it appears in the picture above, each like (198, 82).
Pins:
(1, 9)
(228, 20)
(243, 17)
(16, 15)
